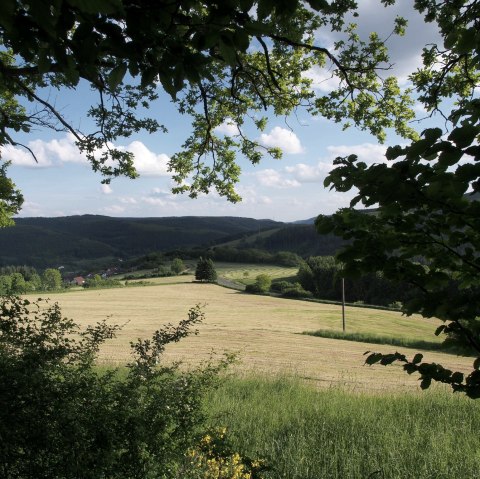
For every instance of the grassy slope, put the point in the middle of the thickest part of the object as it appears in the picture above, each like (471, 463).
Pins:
(264, 330)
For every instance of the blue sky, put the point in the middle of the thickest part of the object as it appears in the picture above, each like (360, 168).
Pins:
(62, 183)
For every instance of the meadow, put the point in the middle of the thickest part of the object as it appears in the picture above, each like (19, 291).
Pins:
(265, 332)
(306, 405)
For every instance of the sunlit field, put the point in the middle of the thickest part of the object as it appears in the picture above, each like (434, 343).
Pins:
(264, 331)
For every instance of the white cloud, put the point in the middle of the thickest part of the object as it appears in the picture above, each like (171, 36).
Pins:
(273, 179)
(21, 157)
(56, 152)
(309, 174)
(106, 189)
(322, 79)
(228, 128)
(147, 162)
(149, 200)
(368, 152)
(285, 139)
(113, 210)
(65, 150)
(128, 200)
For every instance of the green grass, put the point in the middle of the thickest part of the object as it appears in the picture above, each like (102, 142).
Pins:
(394, 341)
(306, 433)
(246, 273)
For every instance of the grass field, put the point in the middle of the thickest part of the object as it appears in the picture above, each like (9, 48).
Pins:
(332, 434)
(265, 331)
(246, 273)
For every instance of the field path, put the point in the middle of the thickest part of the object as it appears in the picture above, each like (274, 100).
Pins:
(263, 330)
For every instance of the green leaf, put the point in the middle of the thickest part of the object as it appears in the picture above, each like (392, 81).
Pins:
(7, 9)
(464, 135)
(318, 4)
(265, 8)
(116, 76)
(440, 329)
(228, 52)
(450, 39)
(417, 358)
(373, 358)
(457, 377)
(97, 6)
(425, 384)
(476, 364)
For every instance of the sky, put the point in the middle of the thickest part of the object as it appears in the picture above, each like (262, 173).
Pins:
(62, 182)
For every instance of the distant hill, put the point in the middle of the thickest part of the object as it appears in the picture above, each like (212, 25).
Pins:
(44, 242)
(301, 238)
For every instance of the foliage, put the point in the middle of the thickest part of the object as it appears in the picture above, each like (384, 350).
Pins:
(219, 61)
(205, 270)
(23, 279)
(52, 279)
(321, 275)
(262, 284)
(447, 347)
(426, 229)
(214, 458)
(252, 255)
(295, 290)
(96, 281)
(11, 199)
(62, 416)
(177, 266)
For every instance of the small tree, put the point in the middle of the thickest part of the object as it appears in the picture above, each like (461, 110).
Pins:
(205, 270)
(18, 283)
(263, 283)
(177, 266)
(52, 279)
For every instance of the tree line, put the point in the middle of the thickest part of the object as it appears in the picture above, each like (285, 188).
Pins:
(25, 279)
(322, 276)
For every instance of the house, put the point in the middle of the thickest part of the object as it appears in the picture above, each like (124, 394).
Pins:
(78, 280)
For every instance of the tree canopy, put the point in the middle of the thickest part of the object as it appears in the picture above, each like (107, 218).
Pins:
(425, 229)
(220, 61)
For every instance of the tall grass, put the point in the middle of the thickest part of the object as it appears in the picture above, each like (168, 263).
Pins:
(394, 341)
(310, 434)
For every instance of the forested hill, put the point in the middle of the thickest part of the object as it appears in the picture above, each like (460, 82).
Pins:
(44, 242)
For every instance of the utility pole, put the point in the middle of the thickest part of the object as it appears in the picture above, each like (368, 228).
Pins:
(343, 304)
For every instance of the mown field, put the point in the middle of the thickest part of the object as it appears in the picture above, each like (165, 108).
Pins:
(264, 331)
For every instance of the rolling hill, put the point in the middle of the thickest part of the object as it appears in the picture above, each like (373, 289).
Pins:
(43, 242)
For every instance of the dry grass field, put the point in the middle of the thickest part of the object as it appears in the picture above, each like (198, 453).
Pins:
(264, 331)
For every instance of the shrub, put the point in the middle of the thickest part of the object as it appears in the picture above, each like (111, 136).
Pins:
(296, 291)
(62, 417)
(262, 284)
(280, 286)
(177, 266)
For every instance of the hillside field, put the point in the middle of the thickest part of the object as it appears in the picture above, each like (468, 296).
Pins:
(264, 331)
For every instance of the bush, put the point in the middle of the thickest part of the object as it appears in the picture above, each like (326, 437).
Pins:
(280, 286)
(62, 417)
(262, 284)
(177, 266)
(296, 291)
